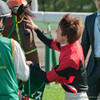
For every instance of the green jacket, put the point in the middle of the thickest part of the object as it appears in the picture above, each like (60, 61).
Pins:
(8, 82)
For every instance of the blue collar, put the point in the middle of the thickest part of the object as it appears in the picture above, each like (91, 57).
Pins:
(98, 13)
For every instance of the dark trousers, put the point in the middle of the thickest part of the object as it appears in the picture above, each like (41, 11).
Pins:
(94, 82)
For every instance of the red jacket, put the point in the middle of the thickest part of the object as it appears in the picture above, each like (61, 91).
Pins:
(70, 57)
(70, 72)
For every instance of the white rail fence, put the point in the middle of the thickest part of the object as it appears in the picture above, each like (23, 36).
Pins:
(56, 16)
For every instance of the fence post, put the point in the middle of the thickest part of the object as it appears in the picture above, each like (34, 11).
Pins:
(54, 56)
(47, 59)
(48, 53)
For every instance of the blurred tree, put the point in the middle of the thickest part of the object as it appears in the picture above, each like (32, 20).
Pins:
(5, 0)
(66, 5)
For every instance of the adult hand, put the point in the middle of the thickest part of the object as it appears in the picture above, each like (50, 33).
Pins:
(29, 62)
(30, 23)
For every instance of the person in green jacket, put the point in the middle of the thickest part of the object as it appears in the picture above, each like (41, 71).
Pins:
(12, 61)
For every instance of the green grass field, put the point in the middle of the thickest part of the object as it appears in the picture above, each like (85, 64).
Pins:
(44, 25)
(53, 91)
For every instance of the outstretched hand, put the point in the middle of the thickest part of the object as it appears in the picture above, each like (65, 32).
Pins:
(30, 23)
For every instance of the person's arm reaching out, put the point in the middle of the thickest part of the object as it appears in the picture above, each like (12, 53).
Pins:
(44, 37)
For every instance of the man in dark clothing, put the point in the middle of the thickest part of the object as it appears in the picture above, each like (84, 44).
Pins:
(91, 37)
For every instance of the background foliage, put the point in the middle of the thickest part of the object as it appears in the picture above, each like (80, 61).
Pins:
(66, 5)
